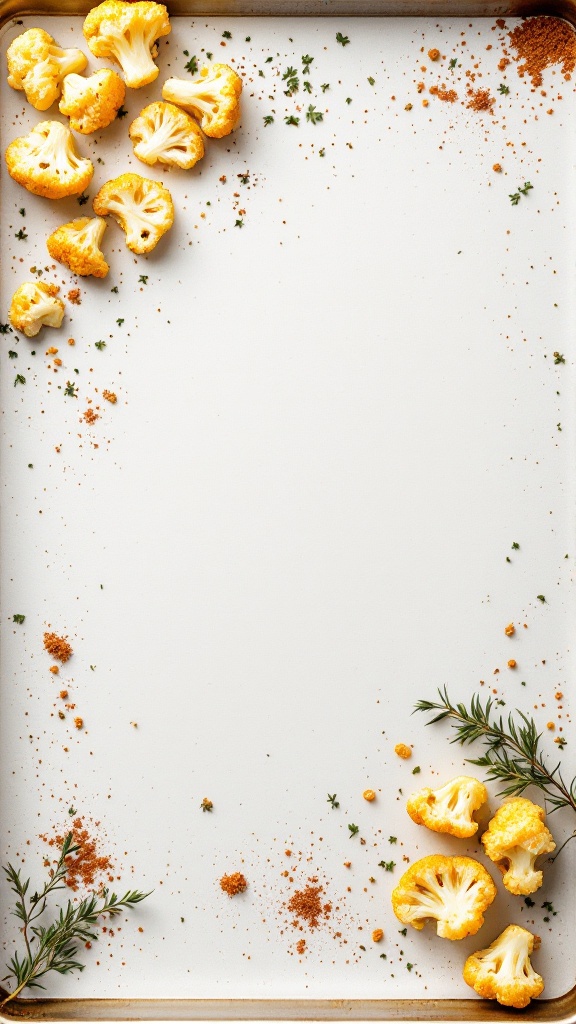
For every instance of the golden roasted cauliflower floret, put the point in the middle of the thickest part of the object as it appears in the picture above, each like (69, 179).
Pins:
(213, 98)
(77, 246)
(503, 971)
(450, 808)
(453, 891)
(514, 838)
(127, 33)
(165, 134)
(34, 305)
(92, 103)
(142, 207)
(46, 162)
(37, 65)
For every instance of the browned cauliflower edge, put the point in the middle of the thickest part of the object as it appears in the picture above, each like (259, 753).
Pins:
(92, 103)
(34, 305)
(46, 162)
(515, 837)
(77, 246)
(213, 98)
(126, 33)
(142, 207)
(453, 891)
(449, 808)
(503, 971)
(163, 133)
(37, 65)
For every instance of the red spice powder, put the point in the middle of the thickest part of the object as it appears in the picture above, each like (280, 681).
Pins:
(234, 883)
(540, 42)
(480, 99)
(307, 906)
(57, 647)
(86, 865)
(447, 95)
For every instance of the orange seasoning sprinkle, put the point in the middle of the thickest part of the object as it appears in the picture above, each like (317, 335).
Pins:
(307, 906)
(480, 99)
(110, 397)
(57, 647)
(90, 416)
(233, 884)
(447, 95)
(79, 722)
(74, 296)
(377, 935)
(510, 628)
(539, 43)
(434, 54)
(86, 865)
(497, 168)
(301, 946)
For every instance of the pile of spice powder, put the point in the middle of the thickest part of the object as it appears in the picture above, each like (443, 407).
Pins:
(85, 867)
(480, 99)
(57, 647)
(233, 884)
(307, 905)
(540, 42)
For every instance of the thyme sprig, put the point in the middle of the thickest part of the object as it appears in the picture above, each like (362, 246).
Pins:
(513, 751)
(55, 947)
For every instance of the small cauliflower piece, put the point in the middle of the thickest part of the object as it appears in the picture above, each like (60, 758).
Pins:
(213, 98)
(37, 66)
(514, 838)
(453, 891)
(46, 162)
(34, 305)
(450, 808)
(503, 971)
(142, 207)
(165, 134)
(127, 33)
(92, 103)
(77, 246)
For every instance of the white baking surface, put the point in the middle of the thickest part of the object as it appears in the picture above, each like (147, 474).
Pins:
(332, 423)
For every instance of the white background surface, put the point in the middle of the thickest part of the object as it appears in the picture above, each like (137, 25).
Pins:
(331, 426)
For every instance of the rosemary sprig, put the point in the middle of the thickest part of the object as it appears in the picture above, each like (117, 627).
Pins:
(55, 947)
(513, 751)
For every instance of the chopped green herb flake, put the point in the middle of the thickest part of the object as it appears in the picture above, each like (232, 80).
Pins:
(191, 66)
(353, 830)
(313, 115)
(332, 800)
(18, 618)
(503, 89)
(292, 120)
(12, 354)
(268, 119)
(343, 40)
(19, 379)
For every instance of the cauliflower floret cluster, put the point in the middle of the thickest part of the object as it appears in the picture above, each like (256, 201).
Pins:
(503, 971)
(126, 33)
(92, 103)
(453, 891)
(450, 808)
(46, 162)
(213, 98)
(514, 838)
(34, 305)
(77, 246)
(37, 65)
(163, 133)
(142, 207)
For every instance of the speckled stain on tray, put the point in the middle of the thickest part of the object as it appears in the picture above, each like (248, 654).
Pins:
(297, 517)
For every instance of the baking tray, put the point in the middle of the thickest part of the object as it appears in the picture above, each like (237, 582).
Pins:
(332, 423)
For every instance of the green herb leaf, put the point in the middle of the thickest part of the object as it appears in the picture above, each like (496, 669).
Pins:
(332, 800)
(21, 235)
(503, 89)
(313, 115)
(12, 354)
(100, 345)
(343, 40)
(268, 119)
(19, 379)
(371, 81)
(541, 598)
(19, 619)
(388, 865)
(227, 35)
(70, 390)
(292, 120)
(353, 830)
(325, 86)
(191, 66)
